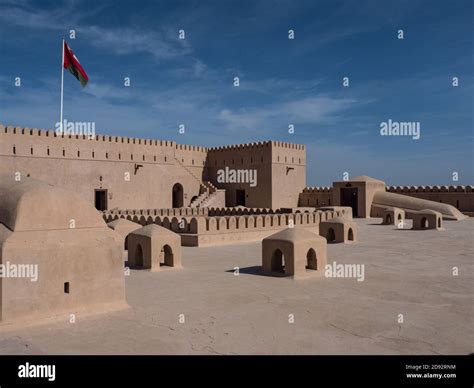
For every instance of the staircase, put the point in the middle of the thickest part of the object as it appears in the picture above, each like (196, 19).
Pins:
(208, 193)
(212, 196)
(216, 199)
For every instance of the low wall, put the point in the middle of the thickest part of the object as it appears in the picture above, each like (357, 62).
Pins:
(316, 197)
(110, 215)
(461, 197)
(218, 230)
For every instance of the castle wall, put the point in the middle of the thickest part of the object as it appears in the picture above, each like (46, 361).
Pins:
(141, 215)
(461, 197)
(232, 225)
(316, 197)
(105, 162)
(140, 173)
(409, 204)
(288, 173)
(256, 156)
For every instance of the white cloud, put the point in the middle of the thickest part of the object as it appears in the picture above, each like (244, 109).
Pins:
(162, 44)
(128, 41)
(104, 91)
(309, 110)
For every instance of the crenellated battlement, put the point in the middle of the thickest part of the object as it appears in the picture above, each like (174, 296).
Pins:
(120, 140)
(110, 215)
(430, 189)
(282, 144)
(405, 189)
(203, 229)
(322, 189)
(240, 147)
(98, 138)
(34, 142)
(187, 147)
(256, 145)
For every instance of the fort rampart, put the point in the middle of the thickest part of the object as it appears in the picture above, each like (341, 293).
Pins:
(459, 196)
(202, 229)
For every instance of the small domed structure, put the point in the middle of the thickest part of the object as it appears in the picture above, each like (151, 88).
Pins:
(338, 230)
(153, 246)
(31, 204)
(71, 261)
(427, 219)
(123, 227)
(292, 251)
(392, 216)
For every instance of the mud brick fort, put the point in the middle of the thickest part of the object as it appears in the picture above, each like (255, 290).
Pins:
(88, 202)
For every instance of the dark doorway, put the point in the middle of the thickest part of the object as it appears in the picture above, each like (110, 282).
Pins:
(167, 255)
(101, 200)
(177, 195)
(350, 235)
(331, 235)
(349, 197)
(311, 261)
(240, 197)
(278, 262)
(139, 256)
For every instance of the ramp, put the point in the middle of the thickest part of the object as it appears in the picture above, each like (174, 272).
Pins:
(383, 199)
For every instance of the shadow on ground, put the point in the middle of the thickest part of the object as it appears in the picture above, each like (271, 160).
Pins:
(257, 270)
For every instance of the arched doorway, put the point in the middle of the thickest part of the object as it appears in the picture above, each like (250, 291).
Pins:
(331, 235)
(167, 256)
(439, 222)
(399, 217)
(177, 195)
(350, 235)
(424, 223)
(311, 261)
(278, 261)
(138, 256)
(388, 219)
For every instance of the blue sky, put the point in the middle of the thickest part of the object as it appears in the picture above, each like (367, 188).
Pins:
(282, 81)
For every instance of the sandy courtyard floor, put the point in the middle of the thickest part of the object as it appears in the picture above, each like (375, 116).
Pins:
(406, 272)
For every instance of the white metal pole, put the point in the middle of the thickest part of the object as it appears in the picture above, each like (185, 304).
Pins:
(62, 88)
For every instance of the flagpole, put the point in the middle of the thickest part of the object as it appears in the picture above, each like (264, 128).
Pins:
(62, 90)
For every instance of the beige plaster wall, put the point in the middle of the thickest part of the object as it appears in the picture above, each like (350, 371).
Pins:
(281, 172)
(105, 162)
(89, 259)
